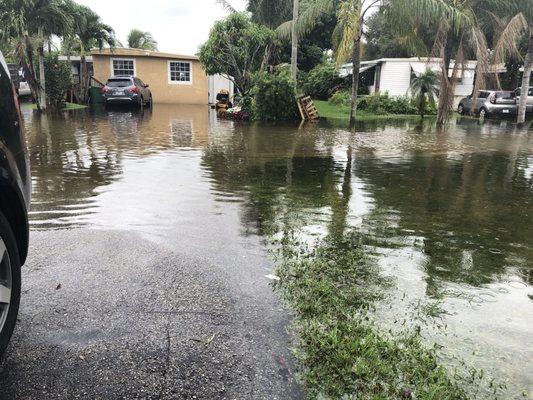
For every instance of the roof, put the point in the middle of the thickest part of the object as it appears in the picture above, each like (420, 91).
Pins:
(122, 51)
(469, 64)
(75, 58)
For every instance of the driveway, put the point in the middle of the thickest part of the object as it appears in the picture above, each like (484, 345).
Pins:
(110, 314)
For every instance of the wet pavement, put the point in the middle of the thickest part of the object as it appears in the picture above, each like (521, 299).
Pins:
(146, 275)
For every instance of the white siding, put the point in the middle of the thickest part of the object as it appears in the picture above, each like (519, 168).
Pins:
(395, 78)
(216, 83)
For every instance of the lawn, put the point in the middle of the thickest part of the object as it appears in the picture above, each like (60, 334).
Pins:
(68, 106)
(328, 110)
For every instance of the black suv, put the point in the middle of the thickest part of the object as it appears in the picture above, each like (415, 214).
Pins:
(127, 90)
(15, 190)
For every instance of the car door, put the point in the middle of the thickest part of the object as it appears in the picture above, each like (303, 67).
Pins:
(143, 90)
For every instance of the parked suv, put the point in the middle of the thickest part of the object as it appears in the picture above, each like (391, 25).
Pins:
(15, 189)
(489, 102)
(529, 103)
(126, 90)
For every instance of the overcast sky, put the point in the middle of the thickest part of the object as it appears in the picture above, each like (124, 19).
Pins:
(179, 26)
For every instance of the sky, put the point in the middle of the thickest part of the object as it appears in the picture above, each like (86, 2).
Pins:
(178, 26)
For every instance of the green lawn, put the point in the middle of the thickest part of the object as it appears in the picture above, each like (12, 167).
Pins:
(68, 106)
(328, 110)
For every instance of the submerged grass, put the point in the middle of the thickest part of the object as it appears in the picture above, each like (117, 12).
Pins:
(327, 110)
(342, 354)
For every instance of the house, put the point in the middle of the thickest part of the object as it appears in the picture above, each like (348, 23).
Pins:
(173, 78)
(393, 75)
(75, 66)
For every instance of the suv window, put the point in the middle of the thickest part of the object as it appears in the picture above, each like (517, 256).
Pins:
(119, 82)
(483, 95)
(530, 93)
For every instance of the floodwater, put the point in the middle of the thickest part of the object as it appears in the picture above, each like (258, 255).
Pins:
(448, 213)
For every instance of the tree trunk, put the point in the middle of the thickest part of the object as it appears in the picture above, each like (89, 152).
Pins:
(294, 35)
(526, 79)
(42, 79)
(84, 86)
(444, 108)
(356, 65)
(422, 105)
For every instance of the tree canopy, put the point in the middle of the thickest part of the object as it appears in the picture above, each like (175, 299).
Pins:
(138, 39)
(238, 48)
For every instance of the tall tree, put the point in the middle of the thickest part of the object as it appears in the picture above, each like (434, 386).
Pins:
(33, 21)
(89, 32)
(294, 41)
(459, 32)
(236, 47)
(141, 40)
(347, 35)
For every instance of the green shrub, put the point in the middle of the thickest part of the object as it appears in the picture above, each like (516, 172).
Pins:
(57, 74)
(384, 104)
(274, 98)
(340, 98)
(322, 81)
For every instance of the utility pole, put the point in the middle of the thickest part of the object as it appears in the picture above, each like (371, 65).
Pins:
(294, 34)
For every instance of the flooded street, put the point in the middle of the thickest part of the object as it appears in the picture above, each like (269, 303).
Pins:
(448, 214)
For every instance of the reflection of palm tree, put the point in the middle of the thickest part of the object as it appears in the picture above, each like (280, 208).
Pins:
(340, 205)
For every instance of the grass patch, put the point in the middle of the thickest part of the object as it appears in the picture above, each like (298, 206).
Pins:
(342, 354)
(328, 110)
(68, 106)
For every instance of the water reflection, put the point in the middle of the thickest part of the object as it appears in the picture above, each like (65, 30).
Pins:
(448, 211)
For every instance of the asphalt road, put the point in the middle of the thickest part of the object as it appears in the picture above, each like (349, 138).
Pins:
(113, 315)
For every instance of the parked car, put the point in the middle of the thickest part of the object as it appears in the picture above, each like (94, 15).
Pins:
(126, 90)
(24, 89)
(488, 103)
(529, 103)
(15, 189)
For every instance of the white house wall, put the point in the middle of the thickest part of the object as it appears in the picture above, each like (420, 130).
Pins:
(395, 78)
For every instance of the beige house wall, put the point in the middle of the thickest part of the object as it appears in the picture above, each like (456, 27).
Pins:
(153, 69)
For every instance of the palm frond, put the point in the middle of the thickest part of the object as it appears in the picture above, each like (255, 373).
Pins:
(507, 42)
(226, 5)
(307, 19)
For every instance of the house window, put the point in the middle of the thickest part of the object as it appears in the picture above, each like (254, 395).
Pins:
(122, 66)
(179, 72)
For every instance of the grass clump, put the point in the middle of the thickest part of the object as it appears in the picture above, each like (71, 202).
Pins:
(334, 110)
(342, 354)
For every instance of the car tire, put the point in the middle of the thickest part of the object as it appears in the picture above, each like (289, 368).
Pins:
(141, 103)
(483, 113)
(9, 283)
(461, 109)
(150, 102)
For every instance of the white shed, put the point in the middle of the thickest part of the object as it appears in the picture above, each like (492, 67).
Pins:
(393, 75)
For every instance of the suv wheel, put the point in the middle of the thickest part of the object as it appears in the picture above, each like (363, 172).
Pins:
(461, 109)
(483, 113)
(9, 283)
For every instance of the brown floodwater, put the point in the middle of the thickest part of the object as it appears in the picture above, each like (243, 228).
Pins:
(447, 213)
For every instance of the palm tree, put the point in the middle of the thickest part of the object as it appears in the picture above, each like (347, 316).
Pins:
(30, 22)
(141, 40)
(347, 36)
(525, 8)
(425, 87)
(89, 32)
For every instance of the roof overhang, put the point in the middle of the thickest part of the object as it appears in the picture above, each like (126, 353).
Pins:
(125, 52)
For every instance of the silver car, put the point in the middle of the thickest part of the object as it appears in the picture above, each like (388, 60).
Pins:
(489, 102)
(529, 103)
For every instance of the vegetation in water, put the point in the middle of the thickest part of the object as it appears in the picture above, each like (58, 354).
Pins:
(342, 353)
